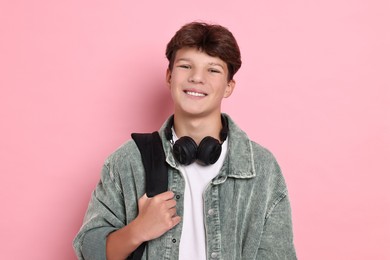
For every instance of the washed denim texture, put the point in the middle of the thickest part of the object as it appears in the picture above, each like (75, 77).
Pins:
(247, 212)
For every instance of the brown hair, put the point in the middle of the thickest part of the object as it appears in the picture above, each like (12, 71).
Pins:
(215, 40)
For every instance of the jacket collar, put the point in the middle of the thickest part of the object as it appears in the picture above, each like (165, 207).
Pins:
(239, 161)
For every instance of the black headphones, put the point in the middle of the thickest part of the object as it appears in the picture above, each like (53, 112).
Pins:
(186, 151)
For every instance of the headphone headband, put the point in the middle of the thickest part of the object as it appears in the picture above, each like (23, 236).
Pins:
(222, 135)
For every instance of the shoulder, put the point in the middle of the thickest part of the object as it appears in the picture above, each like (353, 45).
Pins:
(123, 153)
(265, 162)
(123, 162)
(264, 159)
(268, 170)
(262, 153)
(247, 155)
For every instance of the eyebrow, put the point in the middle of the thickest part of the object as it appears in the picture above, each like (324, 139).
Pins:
(216, 64)
(210, 63)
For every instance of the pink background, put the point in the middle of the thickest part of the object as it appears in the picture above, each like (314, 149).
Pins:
(77, 77)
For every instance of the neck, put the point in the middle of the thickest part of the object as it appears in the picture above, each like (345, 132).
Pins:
(198, 127)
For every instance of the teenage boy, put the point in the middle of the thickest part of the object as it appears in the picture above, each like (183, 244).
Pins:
(227, 198)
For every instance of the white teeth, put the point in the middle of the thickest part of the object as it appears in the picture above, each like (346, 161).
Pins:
(196, 94)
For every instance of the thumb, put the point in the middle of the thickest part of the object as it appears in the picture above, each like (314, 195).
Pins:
(176, 220)
(142, 200)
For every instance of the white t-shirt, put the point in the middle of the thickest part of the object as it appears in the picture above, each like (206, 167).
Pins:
(197, 177)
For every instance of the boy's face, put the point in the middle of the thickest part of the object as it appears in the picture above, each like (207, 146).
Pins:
(198, 83)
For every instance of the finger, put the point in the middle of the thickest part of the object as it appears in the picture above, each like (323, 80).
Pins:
(143, 198)
(165, 195)
(172, 212)
(170, 203)
(176, 220)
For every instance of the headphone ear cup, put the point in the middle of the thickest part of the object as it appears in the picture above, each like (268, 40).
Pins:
(184, 150)
(209, 150)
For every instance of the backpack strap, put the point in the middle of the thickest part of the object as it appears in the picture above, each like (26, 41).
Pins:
(153, 159)
(156, 171)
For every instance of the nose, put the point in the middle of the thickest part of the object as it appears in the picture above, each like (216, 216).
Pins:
(196, 76)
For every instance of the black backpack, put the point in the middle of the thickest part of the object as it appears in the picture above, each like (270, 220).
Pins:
(156, 171)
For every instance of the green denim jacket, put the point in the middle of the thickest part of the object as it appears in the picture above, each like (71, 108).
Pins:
(246, 208)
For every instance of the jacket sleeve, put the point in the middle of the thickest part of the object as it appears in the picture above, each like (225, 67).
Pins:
(105, 214)
(277, 237)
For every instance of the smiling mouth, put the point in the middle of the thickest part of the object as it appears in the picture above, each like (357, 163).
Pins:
(195, 94)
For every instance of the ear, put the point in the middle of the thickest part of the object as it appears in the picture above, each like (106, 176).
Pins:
(168, 77)
(229, 89)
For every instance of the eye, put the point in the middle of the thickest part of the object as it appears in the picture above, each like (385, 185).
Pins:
(214, 71)
(184, 66)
